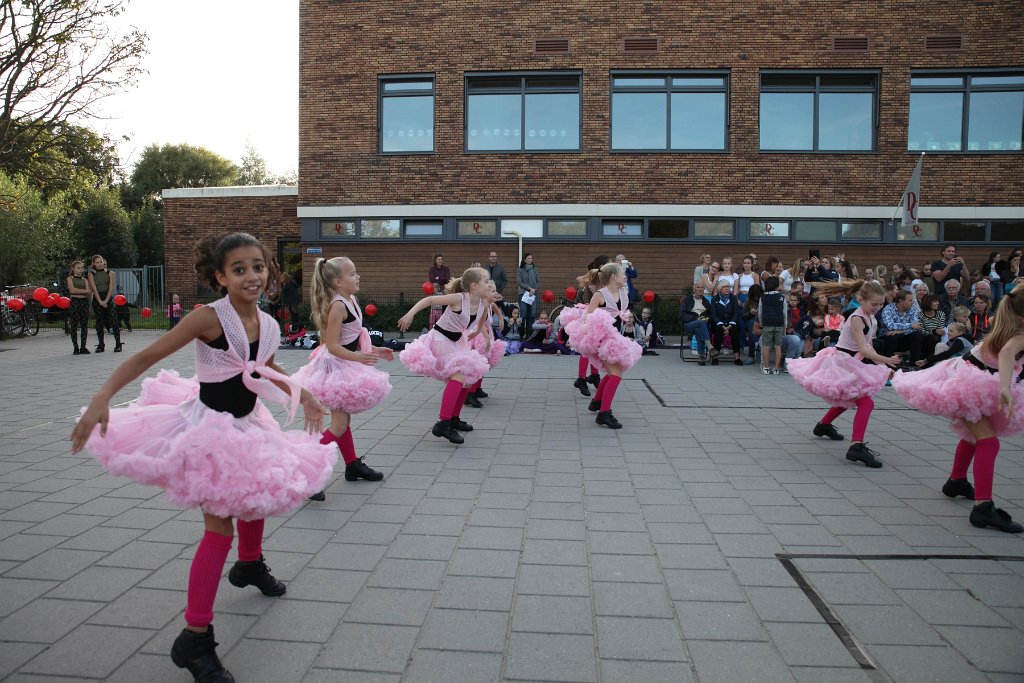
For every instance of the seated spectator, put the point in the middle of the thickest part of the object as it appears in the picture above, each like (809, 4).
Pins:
(749, 329)
(903, 329)
(980, 316)
(725, 320)
(926, 275)
(643, 329)
(920, 292)
(771, 316)
(962, 315)
(694, 315)
(933, 321)
(952, 298)
(958, 345)
(869, 275)
(794, 272)
(817, 309)
(834, 320)
(543, 337)
(983, 288)
(514, 331)
(821, 270)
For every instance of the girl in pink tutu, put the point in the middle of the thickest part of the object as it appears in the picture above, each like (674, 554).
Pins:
(596, 336)
(849, 373)
(587, 287)
(487, 346)
(444, 352)
(340, 372)
(981, 395)
(210, 442)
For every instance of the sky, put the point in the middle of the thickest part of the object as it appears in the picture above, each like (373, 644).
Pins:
(221, 74)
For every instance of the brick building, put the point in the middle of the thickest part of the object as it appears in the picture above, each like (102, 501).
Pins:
(656, 130)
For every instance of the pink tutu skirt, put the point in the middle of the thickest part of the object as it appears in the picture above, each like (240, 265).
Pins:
(434, 355)
(571, 314)
(343, 385)
(496, 353)
(837, 377)
(959, 391)
(597, 338)
(245, 467)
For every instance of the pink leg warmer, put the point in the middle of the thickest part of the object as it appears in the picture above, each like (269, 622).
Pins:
(609, 392)
(985, 452)
(962, 459)
(204, 577)
(832, 414)
(250, 540)
(582, 372)
(457, 411)
(450, 398)
(347, 446)
(476, 387)
(860, 421)
(593, 370)
(600, 388)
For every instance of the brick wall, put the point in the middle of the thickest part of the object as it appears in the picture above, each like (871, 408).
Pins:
(346, 45)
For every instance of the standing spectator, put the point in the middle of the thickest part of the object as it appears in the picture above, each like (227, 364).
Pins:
(439, 274)
(497, 272)
(980, 316)
(102, 283)
(869, 275)
(1011, 271)
(794, 272)
(727, 274)
(749, 328)
(747, 279)
(903, 329)
(926, 276)
(290, 297)
(693, 318)
(710, 278)
(820, 270)
(846, 270)
(631, 273)
(700, 271)
(952, 298)
(989, 272)
(174, 311)
(78, 316)
(949, 267)
(771, 315)
(725, 320)
(773, 267)
(528, 281)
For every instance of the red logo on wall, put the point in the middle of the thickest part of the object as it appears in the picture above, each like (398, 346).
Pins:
(338, 228)
(622, 228)
(916, 230)
(768, 228)
(476, 228)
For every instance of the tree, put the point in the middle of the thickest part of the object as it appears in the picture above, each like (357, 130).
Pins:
(148, 230)
(104, 227)
(165, 166)
(254, 169)
(58, 58)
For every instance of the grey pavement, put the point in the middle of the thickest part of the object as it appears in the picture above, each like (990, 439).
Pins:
(712, 539)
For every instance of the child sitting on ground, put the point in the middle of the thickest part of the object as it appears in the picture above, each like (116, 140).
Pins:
(643, 332)
(958, 346)
(834, 320)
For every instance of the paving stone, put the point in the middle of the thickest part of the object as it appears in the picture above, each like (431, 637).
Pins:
(782, 604)
(489, 563)
(719, 621)
(809, 645)
(435, 525)
(16, 593)
(703, 584)
(550, 614)
(89, 651)
(327, 585)
(632, 600)
(476, 593)
(737, 661)
(16, 654)
(471, 630)
(491, 538)
(551, 657)
(414, 547)
(368, 647)
(429, 665)
(46, 621)
(268, 661)
(142, 555)
(359, 557)
(140, 608)
(916, 664)
(638, 638)
(952, 608)
(989, 649)
(539, 551)
(21, 547)
(623, 671)
(555, 529)
(390, 606)
(887, 625)
(301, 621)
(625, 568)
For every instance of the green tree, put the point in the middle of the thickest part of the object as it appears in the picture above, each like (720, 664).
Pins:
(104, 227)
(58, 58)
(166, 166)
(148, 230)
(253, 170)
(33, 233)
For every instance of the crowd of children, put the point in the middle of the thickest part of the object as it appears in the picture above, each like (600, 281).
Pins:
(210, 442)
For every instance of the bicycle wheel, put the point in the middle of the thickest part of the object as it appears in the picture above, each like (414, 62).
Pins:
(13, 325)
(30, 322)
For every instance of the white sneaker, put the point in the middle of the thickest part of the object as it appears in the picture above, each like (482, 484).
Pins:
(775, 371)
(765, 371)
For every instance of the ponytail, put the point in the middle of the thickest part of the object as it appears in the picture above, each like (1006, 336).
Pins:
(1009, 320)
(321, 289)
(590, 279)
(469, 276)
(454, 286)
(861, 288)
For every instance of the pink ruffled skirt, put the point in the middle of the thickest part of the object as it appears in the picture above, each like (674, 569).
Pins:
(343, 385)
(959, 391)
(245, 467)
(596, 337)
(494, 355)
(434, 355)
(837, 377)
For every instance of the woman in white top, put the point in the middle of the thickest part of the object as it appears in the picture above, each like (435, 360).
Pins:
(710, 278)
(702, 269)
(747, 279)
(795, 272)
(727, 274)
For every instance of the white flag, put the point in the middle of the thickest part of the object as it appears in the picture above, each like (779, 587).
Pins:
(911, 201)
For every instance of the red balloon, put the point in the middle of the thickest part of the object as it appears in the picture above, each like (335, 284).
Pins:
(119, 300)
(649, 297)
(40, 294)
(547, 296)
(49, 301)
(570, 293)
(197, 306)
(64, 302)
(428, 288)
(146, 312)
(371, 310)
(15, 304)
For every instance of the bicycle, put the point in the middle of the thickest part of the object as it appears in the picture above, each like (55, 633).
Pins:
(18, 323)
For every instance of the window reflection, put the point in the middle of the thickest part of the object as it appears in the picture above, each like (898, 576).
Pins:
(994, 111)
(638, 120)
(517, 113)
(787, 121)
(682, 112)
(935, 121)
(407, 115)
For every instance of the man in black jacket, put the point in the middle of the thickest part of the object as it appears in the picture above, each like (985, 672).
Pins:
(693, 319)
(725, 319)
(497, 272)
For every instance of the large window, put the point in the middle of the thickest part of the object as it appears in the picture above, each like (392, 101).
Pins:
(682, 111)
(826, 112)
(528, 113)
(407, 114)
(958, 112)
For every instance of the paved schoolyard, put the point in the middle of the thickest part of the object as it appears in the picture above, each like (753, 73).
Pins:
(711, 539)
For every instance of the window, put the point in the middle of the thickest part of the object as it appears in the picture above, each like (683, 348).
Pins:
(684, 111)
(1007, 231)
(726, 229)
(477, 229)
(420, 228)
(527, 227)
(523, 113)
(956, 231)
(815, 231)
(379, 228)
(622, 228)
(407, 114)
(924, 231)
(972, 112)
(668, 228)
(860, 231)
(832, 112)
(567, 228)
(773, 229)
(335, 229)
